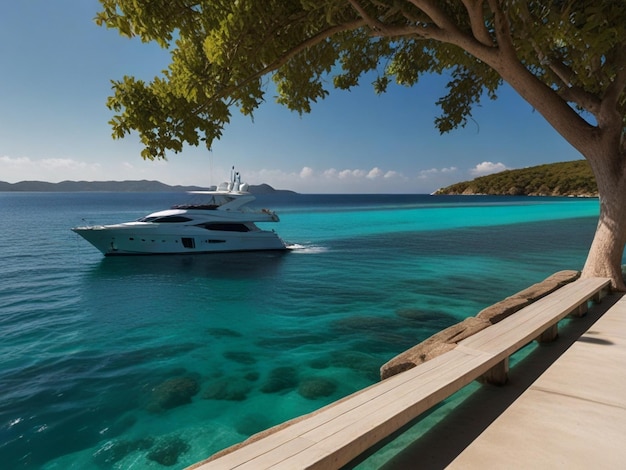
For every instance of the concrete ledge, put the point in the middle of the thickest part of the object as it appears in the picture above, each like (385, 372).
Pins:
(573, 416)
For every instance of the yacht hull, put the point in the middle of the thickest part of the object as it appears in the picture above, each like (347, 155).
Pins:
(126, 241)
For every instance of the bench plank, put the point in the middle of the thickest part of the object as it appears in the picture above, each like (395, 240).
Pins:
(336, 434)
(514, 332)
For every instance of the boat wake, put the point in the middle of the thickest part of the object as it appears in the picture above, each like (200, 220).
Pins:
(306, 249)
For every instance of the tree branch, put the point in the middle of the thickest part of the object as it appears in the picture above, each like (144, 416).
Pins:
(610, 116)
(567, 91)
(373, 23)
(503, 31)
(284, 58)
(446, 30)
(437, 15)
(617, 87)
(477, 21)
(314, 40)
(381, 29)
(581, 98)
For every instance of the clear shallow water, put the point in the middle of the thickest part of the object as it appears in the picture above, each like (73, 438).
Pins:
(158, 362)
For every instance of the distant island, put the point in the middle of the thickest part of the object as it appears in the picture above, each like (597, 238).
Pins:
(141, 186)
(554, 179)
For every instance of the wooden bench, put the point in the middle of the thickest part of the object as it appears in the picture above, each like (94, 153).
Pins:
(336, 434)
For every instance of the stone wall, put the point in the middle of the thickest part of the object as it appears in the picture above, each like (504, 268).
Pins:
(447, 339)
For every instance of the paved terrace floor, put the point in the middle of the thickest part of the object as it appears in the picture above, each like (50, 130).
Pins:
(564, 407)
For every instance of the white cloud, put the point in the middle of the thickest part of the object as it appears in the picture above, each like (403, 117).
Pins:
(434, 178)
(359, 174)
(330, 173)
(331, 180)
(306, 172)
(435, 172)
(15, 162)
(15, 169)
(345, 174)
(54, 164)
(487, 168)
(374, 173)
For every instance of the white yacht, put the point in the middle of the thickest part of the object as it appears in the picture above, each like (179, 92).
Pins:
(219, 223)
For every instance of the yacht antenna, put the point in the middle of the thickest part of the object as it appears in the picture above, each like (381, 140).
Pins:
(210, 168)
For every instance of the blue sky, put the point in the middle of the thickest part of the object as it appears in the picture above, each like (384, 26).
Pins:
(56, 67)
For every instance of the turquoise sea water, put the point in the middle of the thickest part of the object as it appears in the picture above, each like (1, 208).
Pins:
(158, 362)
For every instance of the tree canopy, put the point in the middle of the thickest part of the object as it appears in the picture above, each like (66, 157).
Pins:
(222, 52)
(566, 58)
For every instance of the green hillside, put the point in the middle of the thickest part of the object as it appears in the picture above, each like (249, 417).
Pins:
(554, 179)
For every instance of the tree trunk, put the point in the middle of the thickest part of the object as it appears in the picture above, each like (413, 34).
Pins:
(601, 144)
(605, 255)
